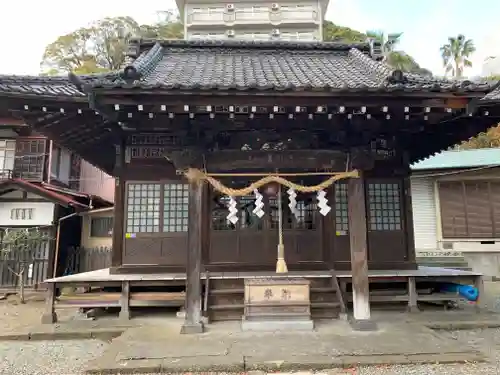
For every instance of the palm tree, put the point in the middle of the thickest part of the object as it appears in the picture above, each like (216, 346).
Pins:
(396, 59)
(456, 53)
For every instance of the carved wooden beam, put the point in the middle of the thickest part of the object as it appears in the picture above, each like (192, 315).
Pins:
(272, 160)
(184, 159)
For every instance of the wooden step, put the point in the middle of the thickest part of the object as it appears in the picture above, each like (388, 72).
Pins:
(323, 290)
(436, 297)
(324, 305)
(227, 307)
(110, 299)
(217, 292)
(264, 316)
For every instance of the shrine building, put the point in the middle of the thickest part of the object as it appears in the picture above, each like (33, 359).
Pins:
(235, 161)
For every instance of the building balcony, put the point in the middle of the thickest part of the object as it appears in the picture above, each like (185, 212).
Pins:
(34, 175)
(242, 17)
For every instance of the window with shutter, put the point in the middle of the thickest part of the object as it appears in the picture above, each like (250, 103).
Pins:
(478, 209)
(453, 213)
(470, 209)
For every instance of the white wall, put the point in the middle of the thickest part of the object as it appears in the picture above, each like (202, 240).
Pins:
(96, 182)
(491, 66)
(43, 213)
(286, 33)
(295, 20)
(65, 167)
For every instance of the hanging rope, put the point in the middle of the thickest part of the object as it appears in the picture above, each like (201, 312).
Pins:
(280, 263)
(194, 175)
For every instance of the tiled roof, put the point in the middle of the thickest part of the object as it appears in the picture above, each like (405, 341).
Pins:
(460, 159)
(62, 199)
(493, 96)
(280, 66)
(244, 65)
(49, 86)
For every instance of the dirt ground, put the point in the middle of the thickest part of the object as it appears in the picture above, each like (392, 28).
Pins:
(14, 316)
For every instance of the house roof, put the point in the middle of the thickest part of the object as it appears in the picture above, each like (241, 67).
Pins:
(48, 86)
(457, 159)
(493, 96)
(244, 66)
(280, 66)
(94, 201)
(65, 200)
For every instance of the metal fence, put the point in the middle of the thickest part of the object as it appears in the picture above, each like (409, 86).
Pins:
(33, 262)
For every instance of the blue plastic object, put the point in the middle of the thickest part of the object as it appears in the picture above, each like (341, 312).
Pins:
(470, 293)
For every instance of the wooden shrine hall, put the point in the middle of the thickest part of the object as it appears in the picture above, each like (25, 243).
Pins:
(257, 175)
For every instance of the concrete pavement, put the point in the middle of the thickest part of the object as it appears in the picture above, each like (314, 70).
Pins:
(226, 348)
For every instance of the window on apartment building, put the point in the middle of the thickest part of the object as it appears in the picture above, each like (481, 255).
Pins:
(470, 209)
(101, 227)
(215, 10)
(154, 208)
(55, 164)
(7, 156)
(21, 214)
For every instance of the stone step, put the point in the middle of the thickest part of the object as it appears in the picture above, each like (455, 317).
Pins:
(444, 262)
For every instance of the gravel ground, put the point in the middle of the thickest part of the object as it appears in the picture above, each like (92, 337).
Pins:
(69, 357)
(48, 357)
(16, 316)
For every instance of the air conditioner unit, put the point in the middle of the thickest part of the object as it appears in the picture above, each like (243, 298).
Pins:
(230, 7)
(275, 6)
(276, 32)
(230, 33)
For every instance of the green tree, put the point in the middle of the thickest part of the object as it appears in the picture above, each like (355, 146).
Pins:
(333, 32)
(456, 54)
(487, 139)
(396, 58)
(102, 46)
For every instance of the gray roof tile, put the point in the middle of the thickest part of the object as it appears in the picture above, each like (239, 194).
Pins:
(493, 96)
(34, 85)
(280, 66)
(245, 66)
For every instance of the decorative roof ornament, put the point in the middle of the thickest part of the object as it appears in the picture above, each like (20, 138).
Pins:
(376, 50)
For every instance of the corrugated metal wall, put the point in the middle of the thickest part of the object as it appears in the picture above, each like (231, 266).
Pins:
(424, 214)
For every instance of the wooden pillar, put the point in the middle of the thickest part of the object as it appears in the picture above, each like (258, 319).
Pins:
(119, 207)
(125, 301)
(408, 212)
(358, 236)
(479, 284)
(193, 319)
(412, 295)
(49, 315)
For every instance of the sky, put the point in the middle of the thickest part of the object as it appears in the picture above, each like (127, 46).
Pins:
(27, 26)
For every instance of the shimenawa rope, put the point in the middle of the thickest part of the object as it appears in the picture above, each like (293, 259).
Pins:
(194, 175)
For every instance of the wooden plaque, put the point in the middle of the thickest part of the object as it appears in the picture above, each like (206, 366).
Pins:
(275, 291)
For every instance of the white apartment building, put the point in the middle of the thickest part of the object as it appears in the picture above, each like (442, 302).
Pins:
(258, 20)
(491, 66)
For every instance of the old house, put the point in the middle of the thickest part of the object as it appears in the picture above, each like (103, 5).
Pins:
(43, 186)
